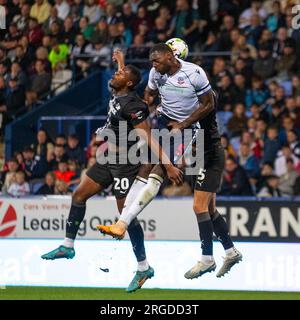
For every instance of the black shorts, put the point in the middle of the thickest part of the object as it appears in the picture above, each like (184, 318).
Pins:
(120, 175)
(210, 177)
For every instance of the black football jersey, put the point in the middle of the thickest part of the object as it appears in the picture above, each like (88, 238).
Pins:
(126, 111)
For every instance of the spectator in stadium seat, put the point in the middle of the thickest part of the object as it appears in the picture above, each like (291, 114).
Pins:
(35, 33)
(210, 45)
(111, 14)
(15, 98)
(92, 10)
(35, 167)
(219, 69)
(287, 63)
(43, 148)
(48, 187)
(4, 68)
(228, 33)
(275, 116)
(267, 169)
(42, 55)
(288, 180)
(275, 19)
(271, 188)
(63, 8)
(3, 108)
(100, 57)
(61, 188)
(74, 167)
(22, 58)
(55, 31)
(240, 66)
(227, 89)
(39, 84)
(258, 94)
(254, 30)
(271, 145)
(238, 122)
(22, 19)
(11, 37)
(63, 173)
(74, 150)
(287, 124)
(255, 8)
(127, 15)
(52, 18)
(61, 140)
(249, 162)
(280, 165)
(235, 180)
(101, 31)
(185, 23)
(160, 31)
(40, 10)
(76, 11)
(86, 28)
(114, 36)
(8, 174)
(69, 31)
(59, 154)
(264, 65)
(281, 37)
(295, 85)
(293, 141)
(227, 146)
(58, 55)
(17, 72)
(266, 38)
(20, 187)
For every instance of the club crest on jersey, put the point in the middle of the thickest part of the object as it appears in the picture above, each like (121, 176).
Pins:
(180, 80)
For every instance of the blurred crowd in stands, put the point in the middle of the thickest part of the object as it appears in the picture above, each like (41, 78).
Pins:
(256, 74)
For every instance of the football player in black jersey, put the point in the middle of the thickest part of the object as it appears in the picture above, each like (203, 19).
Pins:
(127, 108)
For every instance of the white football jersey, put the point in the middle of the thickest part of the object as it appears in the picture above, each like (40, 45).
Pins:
(179, 92)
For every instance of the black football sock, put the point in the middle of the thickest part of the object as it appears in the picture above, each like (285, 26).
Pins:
(76, 216)
(136, 235)
(206, 233)
(221, 230)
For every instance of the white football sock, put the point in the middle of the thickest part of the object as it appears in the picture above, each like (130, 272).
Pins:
(142, 199)
(207, 259)
(68, 242)
(231, 252)
(143, 265)
(138, 184)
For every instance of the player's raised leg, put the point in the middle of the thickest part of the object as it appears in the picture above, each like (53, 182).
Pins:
(207, 262)
(140, 200)
(136, 235)
(233, 256)
(86, 189)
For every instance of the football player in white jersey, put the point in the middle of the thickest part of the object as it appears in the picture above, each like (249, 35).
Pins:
(186, 99)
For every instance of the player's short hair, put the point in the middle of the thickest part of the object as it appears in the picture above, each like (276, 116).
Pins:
(135, 75)
(161, 47)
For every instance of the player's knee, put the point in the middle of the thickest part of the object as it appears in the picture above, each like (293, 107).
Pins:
(200, 207)
(145, 170)
(78, 196)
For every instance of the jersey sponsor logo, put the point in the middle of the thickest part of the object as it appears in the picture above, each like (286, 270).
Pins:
(137, 115)
(180, 80)
(8, 219)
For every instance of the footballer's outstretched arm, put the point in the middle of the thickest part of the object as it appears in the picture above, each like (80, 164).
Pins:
(118, 56)
(174, 174)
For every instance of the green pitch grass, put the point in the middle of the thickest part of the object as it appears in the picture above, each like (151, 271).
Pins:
(58, 293)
